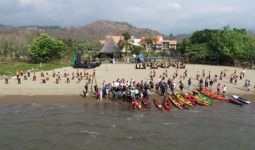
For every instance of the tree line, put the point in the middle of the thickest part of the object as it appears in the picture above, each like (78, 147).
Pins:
(222, 46)
(45, 48)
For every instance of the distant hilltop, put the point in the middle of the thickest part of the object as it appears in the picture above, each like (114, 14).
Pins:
(93, 32)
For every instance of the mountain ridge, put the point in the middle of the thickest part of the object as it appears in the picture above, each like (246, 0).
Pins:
(94, 32)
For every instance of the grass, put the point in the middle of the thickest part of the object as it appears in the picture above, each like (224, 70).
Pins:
(10, 68)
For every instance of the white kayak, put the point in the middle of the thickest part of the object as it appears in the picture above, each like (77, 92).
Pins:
(242, 100)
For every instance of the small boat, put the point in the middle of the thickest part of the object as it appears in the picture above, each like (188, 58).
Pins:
(213, 95)
(182, 104)
(190, 98)
(166, 103)
(175, 102)
(136, 104)
(184, 100)
(234, 101)
(145, 103)
(158, 104)
(242, 100)
(198, 100)
(202, 97)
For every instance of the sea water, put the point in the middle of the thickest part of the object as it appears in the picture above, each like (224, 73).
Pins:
(79, 125)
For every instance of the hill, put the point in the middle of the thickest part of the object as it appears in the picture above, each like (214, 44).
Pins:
(93, 32)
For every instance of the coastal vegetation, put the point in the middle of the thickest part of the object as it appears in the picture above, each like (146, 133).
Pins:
(223, 46)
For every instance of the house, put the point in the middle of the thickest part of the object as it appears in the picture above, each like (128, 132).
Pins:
(157, 43)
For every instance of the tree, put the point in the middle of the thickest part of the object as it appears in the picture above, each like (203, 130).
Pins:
(45, 48)
(126, 43)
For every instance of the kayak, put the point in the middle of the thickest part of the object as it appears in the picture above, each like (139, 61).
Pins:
(190, 98)
(202, 97)
(187, 102)
(213, 95)
(182, 104)
(158, 104)
(198, 100)
(166, 103)
(234, 101)
(145, 103)
(175, 102)
(135, 104)
(242, 100)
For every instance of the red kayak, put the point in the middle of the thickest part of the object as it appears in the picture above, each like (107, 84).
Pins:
(183, 105)
(191, 99)
(158, 104)
(145, 103)
(136, 104)
(166, 103)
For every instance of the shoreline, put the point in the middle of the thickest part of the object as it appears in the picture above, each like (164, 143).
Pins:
(75, 99)
(111, 72)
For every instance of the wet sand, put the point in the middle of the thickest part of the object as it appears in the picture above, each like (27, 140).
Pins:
(110, 72)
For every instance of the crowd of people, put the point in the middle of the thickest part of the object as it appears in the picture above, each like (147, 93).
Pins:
(166, 84)
(46, 76)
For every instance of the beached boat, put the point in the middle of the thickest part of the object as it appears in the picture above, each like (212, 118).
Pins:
(182, 104)
(198, 100)
(184, 100)
(145, 103)
(166, 103)
(202, 97)
(190, 98)
(242, 100)
(175, 102)
(158, 104)
(136, 104)
(234, 101)
(213, 95)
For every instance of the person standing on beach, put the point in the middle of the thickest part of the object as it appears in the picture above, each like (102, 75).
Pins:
(243, 72)
(19, 80)
(28, 73)
(210, 84)
(6, 80)
(189, 83)
(249, 85)
(218, 88)
(34, 77)
(224, 89)
(181, 86)
(245, 86)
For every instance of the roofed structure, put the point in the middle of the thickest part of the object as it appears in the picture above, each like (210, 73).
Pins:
(110, 47)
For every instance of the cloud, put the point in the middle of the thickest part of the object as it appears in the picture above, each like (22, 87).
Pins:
(175, 16)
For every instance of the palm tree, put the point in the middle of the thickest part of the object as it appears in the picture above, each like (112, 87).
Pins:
(126, 43)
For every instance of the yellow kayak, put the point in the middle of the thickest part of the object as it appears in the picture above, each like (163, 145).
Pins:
(175, 102)
(184, 100)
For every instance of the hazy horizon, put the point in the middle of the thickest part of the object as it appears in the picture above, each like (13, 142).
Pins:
(165, 16)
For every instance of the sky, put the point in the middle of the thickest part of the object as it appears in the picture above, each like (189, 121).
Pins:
(165, 16)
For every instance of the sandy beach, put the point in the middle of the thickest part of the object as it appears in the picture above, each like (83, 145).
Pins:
(110, 72)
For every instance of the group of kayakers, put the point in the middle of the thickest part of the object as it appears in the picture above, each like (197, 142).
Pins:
(166, 85)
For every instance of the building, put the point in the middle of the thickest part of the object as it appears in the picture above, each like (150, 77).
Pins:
(150, 43)
(157, 43)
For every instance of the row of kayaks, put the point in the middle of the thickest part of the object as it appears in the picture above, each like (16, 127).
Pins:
(188, 100)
